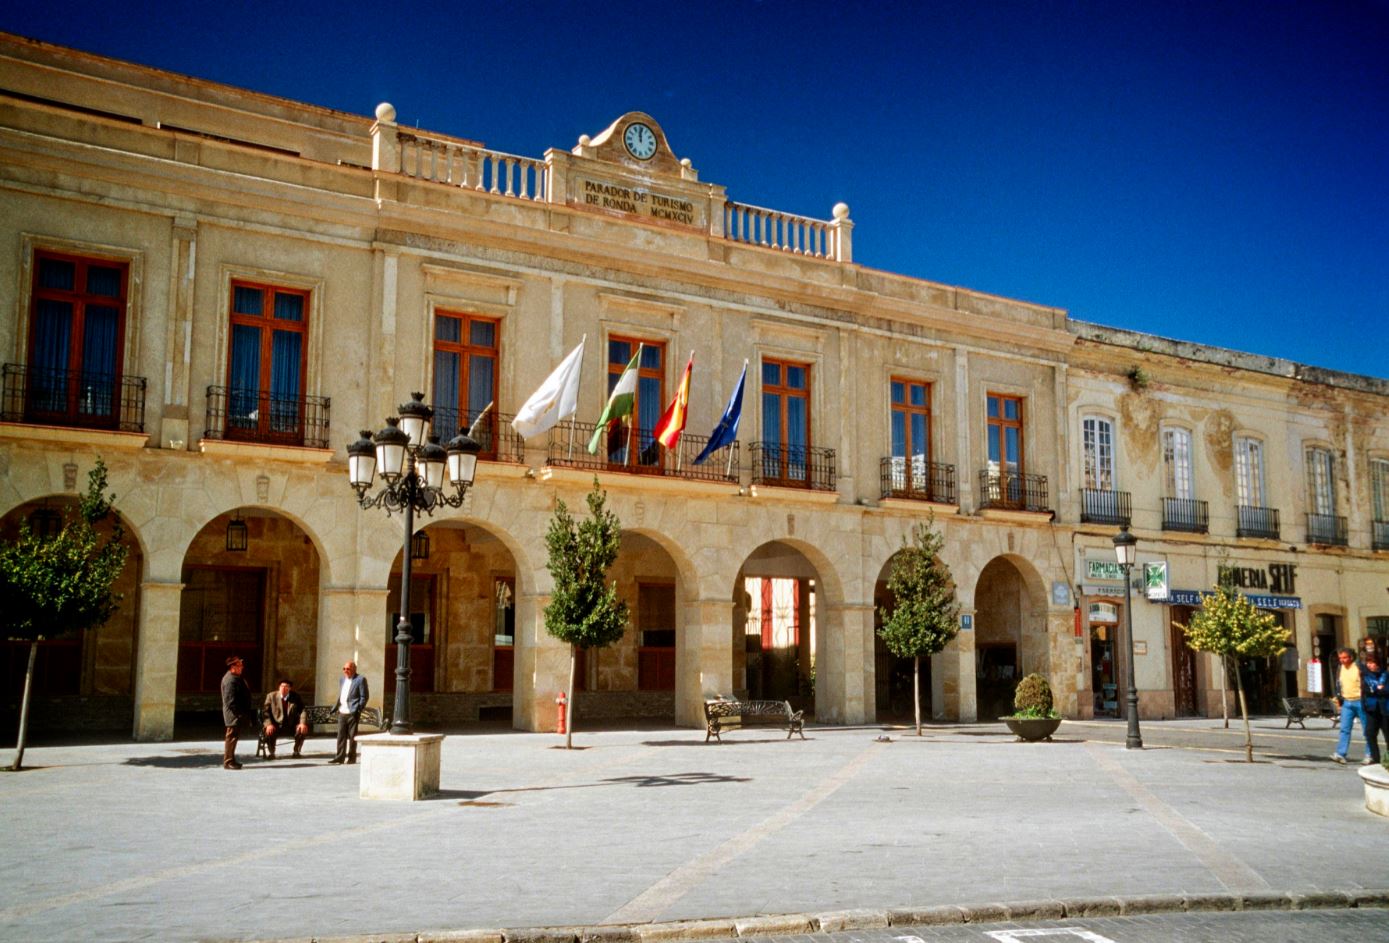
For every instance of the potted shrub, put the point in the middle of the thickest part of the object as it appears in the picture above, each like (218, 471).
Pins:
(1033, 716)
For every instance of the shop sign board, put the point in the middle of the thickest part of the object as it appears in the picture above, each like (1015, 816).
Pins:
(1193, 597)
(1155, 579)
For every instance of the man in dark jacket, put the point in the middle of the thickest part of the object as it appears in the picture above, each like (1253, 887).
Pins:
(236, 707)
(352, 697)
(284, 713)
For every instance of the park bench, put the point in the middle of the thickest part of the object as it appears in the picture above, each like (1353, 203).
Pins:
(1300, 708)
(316, 715)
(718, 712)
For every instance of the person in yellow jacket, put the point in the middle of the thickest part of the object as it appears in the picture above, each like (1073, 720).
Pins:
(1348, 695)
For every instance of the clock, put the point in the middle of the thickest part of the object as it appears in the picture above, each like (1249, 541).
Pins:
(640, 141)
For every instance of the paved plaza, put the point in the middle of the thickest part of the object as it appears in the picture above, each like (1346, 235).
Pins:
(157, 842)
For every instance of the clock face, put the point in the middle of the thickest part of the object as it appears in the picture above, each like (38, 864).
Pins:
(640, 141)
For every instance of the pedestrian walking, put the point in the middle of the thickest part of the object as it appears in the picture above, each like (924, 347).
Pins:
(1374, 695)
(1348, 695)
(352, 697)
(236, 708)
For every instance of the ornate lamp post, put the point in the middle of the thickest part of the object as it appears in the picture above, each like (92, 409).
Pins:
(412, 464)
(1126, 549)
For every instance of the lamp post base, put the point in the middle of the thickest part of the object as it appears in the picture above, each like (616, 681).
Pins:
(400, 767)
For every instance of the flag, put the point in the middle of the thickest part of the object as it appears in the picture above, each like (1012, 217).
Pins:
(726, 432)
(672, 423)
(620, 402)
(556, 399)
(473, 429)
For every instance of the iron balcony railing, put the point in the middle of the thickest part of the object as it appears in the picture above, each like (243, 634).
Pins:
(500, 442)
(792, 466)
(1185, 514)
(1012, 492)
(1253, 521)
(1103, 506)
(258, 416)
(1379, 535)
(917, 479)
(1328, 529)
(621, 450)
(76, 398)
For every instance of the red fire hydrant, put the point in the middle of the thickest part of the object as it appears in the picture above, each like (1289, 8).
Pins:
(560, 704)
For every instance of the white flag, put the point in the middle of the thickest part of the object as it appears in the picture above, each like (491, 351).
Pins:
(556, 399)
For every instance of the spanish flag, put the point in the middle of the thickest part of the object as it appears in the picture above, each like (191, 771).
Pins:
(672, 423)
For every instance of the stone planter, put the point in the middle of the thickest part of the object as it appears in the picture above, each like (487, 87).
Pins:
(1032, 728)
(1376, 779)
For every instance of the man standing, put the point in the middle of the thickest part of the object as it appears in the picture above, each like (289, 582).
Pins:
(352, 697)
(1348, 691)
(284, 711)
(1374, 695)
(236, 707)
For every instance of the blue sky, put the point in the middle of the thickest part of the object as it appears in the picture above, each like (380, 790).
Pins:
(1215, 171)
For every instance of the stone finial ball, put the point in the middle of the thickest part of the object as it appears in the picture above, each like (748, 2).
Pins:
(585, 140)
(385, 112)
(686, 162)
(841, 211)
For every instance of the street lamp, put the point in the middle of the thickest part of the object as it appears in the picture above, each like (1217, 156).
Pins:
(412, 465)
(1126, 550)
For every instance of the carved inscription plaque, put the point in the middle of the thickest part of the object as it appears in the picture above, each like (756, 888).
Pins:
(645, 203)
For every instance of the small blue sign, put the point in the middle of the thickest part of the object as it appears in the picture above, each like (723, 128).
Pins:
(966, 622)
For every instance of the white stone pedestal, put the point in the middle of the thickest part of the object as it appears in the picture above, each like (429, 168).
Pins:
(400, 767)
(1376, 779)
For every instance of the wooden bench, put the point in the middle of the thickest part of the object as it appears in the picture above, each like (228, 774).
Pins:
(1300, 708)
(317, 715)
(717, 712)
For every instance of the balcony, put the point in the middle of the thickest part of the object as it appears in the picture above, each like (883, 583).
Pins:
(568, 448)
(1103, 506)
(72, 398)
(1006, 491)
(1187, 515)
(792, 466)
(258, 416)
(918, 480)
(1379, 535)
(1256, 522)
(500, 442)
(1327, 529)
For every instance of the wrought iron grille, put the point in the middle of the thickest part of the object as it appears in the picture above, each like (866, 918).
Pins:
(1253, 521)
(73, 398)
(1102, 506)
(1007, 491)
(258, 416)
(1328, 529)
(917, 479)
(638, 453)
(792, 466)
(1379, 535)
(1185, 514)
(500, 442)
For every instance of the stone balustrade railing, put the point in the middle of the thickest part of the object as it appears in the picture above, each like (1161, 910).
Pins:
(470, 166)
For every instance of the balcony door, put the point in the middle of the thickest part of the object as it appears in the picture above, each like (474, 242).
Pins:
(1004, 437)
(76, 336)
(265, 376)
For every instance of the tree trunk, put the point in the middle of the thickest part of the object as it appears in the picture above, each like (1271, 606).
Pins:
(24, 708)
(569, 707)
(1224, 699)
(916, 691)
(1244, 712)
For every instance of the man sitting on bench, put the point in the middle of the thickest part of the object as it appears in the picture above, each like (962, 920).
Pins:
(284, 711)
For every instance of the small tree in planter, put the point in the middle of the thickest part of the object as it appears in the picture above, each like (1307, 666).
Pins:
(925, 616)
(55, 585)
(1228, 625)
(1033, 717)
(584, 609)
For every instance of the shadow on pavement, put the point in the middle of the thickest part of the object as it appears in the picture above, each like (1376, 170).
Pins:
(188, 761)
(702, 743)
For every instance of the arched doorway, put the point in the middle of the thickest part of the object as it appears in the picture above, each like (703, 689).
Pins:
(893, 675)
(82, 681)
(1010, 633)
(250, 588)
(776, 601)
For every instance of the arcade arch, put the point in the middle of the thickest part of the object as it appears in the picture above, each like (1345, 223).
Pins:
(1010, 632)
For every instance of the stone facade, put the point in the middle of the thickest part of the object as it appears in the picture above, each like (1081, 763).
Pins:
(196, 193)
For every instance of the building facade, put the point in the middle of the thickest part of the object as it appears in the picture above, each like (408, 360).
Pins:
(213, 290)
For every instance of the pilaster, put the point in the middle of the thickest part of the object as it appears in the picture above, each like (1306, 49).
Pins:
(156, 661)
(352, 627)
(704, 658)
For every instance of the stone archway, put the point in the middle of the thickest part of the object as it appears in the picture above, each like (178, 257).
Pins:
(82, 681)
(1010, 635)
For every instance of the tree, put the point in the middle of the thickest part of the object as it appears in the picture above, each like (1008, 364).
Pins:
(1228, 625)
(61, 584)
(924, 615)
(584, 610)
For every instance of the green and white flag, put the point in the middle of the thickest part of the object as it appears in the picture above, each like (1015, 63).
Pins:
(620, 403)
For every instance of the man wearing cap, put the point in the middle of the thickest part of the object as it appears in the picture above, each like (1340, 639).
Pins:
(284, 712)
(352, 697)
(236, 707)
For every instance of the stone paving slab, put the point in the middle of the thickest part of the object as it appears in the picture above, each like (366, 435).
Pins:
(642, 828)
